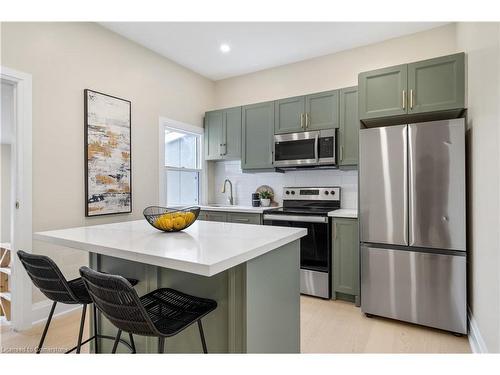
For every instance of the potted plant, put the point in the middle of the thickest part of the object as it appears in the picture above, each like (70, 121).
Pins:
(265, 198)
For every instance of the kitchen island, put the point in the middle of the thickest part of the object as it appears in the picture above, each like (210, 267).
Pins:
(252, 272)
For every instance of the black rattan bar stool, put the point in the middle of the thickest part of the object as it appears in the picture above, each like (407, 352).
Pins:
(49, 279)
(162, 313)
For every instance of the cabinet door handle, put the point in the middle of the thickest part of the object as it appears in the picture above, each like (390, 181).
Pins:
(341, 153)
(334, 231)
(302, 121)
(239, 220)
(411, 98)
(307, 120)
(404, 99)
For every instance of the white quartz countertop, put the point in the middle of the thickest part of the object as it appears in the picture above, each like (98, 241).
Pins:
(244, 209)
(205, 248)
(344, 212)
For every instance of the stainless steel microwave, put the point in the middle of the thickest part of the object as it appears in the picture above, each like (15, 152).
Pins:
(306, 149)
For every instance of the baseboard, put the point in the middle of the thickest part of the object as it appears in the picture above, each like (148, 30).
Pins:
(476, 341)
(40, 310)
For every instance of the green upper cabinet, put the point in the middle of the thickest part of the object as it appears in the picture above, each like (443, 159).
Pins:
(304, 113)
(348, 132)
(382, 92)
(345, 257)
(257, 136)
(232, 133)
(437, 84)
(213, 135)
(289, 115)
(223, 134)
(322, 110)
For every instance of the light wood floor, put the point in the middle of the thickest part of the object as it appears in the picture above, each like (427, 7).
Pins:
(326, 327)
(341, 327)
(62, 335)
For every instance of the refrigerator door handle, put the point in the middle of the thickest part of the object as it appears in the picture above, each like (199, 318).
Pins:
(405, 186)
(411, 197)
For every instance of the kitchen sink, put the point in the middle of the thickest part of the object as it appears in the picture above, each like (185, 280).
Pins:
(219, 205)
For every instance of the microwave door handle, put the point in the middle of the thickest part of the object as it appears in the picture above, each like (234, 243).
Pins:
(316, 146)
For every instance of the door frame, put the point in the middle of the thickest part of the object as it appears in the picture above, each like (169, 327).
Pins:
(21, 293)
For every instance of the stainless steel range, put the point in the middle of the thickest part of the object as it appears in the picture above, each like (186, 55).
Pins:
(308, 208)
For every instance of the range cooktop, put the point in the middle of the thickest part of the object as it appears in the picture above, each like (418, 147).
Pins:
(308, 201)
(302, 210)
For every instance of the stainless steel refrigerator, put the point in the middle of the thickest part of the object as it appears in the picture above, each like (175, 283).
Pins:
(413, 223)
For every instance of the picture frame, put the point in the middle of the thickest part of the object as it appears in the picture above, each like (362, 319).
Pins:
(108, 154)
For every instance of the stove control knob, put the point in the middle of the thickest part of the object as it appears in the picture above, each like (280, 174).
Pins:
(293, 192)
(326, 193)
(287, 192)
(332, 192)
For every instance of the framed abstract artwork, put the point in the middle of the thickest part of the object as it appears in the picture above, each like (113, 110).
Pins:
(108, 162)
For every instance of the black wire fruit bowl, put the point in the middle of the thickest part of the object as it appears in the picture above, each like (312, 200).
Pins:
(171, 219)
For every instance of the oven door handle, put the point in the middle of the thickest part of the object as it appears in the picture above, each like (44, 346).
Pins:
(297, 218)
(316, 146)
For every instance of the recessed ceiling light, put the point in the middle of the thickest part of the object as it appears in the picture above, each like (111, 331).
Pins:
(224, 48)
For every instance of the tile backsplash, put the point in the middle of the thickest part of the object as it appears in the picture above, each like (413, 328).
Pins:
(244, 184)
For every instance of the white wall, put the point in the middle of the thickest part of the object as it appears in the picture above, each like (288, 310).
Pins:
(64, 59)
(244, 184)
(481, 42)
(333, 71)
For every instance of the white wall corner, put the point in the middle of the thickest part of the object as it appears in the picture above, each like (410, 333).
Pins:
(40, 310)
(476, 341)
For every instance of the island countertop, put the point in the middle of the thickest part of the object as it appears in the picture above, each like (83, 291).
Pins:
(205, 248)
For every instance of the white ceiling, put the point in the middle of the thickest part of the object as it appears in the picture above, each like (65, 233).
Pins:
(257, 45)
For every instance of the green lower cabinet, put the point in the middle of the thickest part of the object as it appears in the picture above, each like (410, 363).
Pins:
(230, 217)
(244, 218)
(345, 280)
(213, 216)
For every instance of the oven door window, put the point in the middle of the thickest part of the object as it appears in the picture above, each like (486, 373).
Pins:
(314, 248)
(294, 150)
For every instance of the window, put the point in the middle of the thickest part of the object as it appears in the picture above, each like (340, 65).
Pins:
(182, 167)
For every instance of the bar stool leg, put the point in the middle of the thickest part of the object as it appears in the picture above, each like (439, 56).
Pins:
(202, 336)
(96, 338)
(132, 344)
(80, 334)
(161, 345)
(116, 341)
(42, 339)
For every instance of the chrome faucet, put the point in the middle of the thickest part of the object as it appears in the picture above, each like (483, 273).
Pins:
(230, 198)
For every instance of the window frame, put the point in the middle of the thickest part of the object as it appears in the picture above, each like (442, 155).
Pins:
(165, 124)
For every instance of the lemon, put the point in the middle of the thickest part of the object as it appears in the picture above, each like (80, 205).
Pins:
(189, 216)
(169, 224)
(178, 223)
(157, 222)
